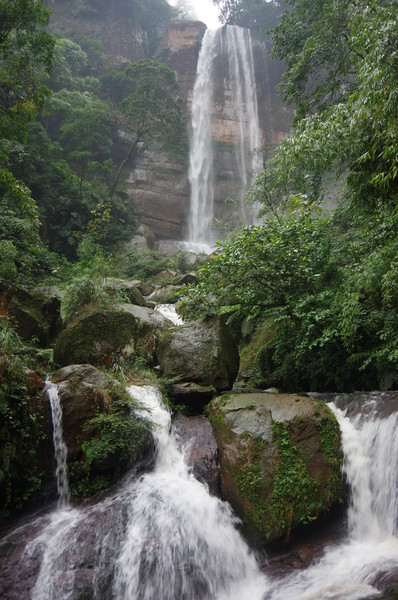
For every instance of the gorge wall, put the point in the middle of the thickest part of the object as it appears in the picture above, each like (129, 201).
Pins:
(157, 185)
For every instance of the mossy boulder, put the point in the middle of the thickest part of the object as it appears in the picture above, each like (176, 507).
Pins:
(127, 288)
(201, 352)
(280, 460)
(99, 337)
(36, 312)
(100, 431)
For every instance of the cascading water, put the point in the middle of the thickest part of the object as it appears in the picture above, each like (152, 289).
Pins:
(180, 541)
(350, 571)
(201, 171)
(233, 45)
(163, 536)
(60, 450)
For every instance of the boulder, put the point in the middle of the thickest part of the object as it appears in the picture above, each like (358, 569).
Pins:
(82, 392)
(191, 394)
(127, 288)
(35, 311)
(164, 295)
(101, 336)
(280, 460)
(195, 438)
(200, 352)
(85, 393)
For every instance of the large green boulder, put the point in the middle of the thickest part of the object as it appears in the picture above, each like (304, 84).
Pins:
(100, 430)
(100, 336)
(280, 460)
(36, 312)
(202, 352)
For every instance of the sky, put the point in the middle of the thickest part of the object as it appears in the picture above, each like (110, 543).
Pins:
(204, 9)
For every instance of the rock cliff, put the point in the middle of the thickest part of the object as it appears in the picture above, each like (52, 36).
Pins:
(157, 185)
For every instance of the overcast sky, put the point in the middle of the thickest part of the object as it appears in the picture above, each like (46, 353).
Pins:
(205, 10)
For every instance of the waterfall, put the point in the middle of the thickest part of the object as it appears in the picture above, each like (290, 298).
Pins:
(238, 49)
(350, 571)
(60, 450)
(201, 171)
(169, 311)
(161, 536)
(180, 541)
(233, 46)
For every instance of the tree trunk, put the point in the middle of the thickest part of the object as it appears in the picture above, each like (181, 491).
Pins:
(122, 164)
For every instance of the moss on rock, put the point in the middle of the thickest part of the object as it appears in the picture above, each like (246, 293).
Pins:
(280, 460)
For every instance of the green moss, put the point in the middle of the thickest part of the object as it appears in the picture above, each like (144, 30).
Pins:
(296, 498)
(119, 437)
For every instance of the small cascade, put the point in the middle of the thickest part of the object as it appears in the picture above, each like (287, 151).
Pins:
(180, 541)
(233, 47)
(60, 449)
(350, 571)
(169, 311)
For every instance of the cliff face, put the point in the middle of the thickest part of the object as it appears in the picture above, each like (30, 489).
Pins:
(158, 186)
(160, 189)
(123, 39)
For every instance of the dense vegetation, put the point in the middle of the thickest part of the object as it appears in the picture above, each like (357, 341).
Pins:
(311, 295)
(321, 287)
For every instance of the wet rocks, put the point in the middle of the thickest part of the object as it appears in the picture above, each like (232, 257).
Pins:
(196, 439)
(280, 460)
(202, 352)
(101, 336)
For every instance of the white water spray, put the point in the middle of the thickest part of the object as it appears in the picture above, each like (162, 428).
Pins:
(201, 172)
(169, 311)
(180, 541)
(234, 45)
(60, 450)
(350, 571)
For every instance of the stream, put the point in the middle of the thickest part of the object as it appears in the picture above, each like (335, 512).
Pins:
(163, 536)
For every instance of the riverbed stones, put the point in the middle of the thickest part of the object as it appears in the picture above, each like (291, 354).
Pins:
(280, 460)
(101, 337)
(202, 352)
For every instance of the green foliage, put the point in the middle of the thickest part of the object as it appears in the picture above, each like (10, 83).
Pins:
(324, 285)
(296, 497)
(255, 14)
(19, 433)
(26, 50)
(119, 437)
(19, 229)
(152, 114)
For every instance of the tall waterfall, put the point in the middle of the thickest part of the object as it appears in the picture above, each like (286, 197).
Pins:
(232, 45)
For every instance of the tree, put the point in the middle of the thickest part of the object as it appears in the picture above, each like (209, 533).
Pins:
(314, 42)
(26, 50)
(259, 15)
(354, 132)
(152, 114)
